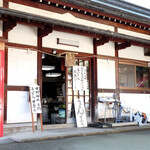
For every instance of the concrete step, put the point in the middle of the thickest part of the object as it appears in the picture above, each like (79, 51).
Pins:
(123, 124)
(10, 128)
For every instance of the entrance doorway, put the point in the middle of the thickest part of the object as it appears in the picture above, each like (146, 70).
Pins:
(57, 91)
(53, 90)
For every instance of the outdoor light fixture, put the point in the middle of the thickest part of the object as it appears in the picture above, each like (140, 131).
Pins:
(53, 74)
(46, 68)
(43, 56)
(67, 42)
(53, 51)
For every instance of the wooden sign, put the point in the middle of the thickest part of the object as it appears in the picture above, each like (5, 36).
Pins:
(35, 102)
(79, 78)
(35, 99)
(80, 113)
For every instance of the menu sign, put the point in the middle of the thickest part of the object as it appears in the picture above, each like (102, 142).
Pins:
(79, 78)
(35, 99)
(80, 113)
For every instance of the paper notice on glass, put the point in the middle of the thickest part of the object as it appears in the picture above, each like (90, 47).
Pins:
(35, 99)
(79, 78)
(80, 113)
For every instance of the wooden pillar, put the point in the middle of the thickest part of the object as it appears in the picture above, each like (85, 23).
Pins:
(117, 93)
(5, 3)
(5, 36)
(39, 69)
(39, 62)
(94, 83)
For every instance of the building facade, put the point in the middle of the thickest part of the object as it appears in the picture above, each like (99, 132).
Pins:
(111, 40)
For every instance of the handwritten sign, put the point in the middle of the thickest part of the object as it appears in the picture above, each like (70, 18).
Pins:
(80, 113)
(35, 99)
(79, 78)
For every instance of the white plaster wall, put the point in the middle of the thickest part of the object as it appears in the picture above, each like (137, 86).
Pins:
(64, 17)
(85, 43)
(134, 52)
(1, 3)
(22, 67)
(1, 28)
(138, 102)
(106, 74)
(131, 33)
(106, 49)
(23, 34)
(18, 107)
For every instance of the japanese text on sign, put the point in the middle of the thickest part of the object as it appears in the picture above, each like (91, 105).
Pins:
(35, 99)
(80, 113)
(79, 78)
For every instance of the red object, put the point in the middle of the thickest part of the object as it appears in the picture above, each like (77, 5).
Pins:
(1, 90)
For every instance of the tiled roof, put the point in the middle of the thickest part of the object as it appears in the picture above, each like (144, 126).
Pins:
(117, 7)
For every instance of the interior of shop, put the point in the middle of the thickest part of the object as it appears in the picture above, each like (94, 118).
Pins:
(53, 90)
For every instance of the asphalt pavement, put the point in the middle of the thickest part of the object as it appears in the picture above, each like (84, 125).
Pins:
(51, 134)
(138, 140)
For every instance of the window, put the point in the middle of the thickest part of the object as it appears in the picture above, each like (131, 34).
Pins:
(142, 77)
(134, 76)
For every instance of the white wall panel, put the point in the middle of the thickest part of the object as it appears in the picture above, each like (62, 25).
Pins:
(1, 3)
(138, 102)
(85, 43)
(134, 52)
(106, 74)
(131, 33)
(23, 34)
(106, 49)
(18, 107)
(22, 67)
(64, 17)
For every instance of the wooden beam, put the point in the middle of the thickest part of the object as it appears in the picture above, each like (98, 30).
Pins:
(16, 88)
(9, 25)
(141, 91)
(122, 45)
(101, 41)
(44, 31)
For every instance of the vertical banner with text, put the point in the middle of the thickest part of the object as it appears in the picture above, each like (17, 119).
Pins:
(80, 113)
(79, 78)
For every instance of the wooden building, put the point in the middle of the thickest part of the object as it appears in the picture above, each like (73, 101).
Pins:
(112, 39)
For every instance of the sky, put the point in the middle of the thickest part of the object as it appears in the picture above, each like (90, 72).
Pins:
(143, 3)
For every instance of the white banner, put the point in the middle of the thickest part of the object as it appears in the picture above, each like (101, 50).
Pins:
(35, 99)
(79, 78)
(80, 113)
